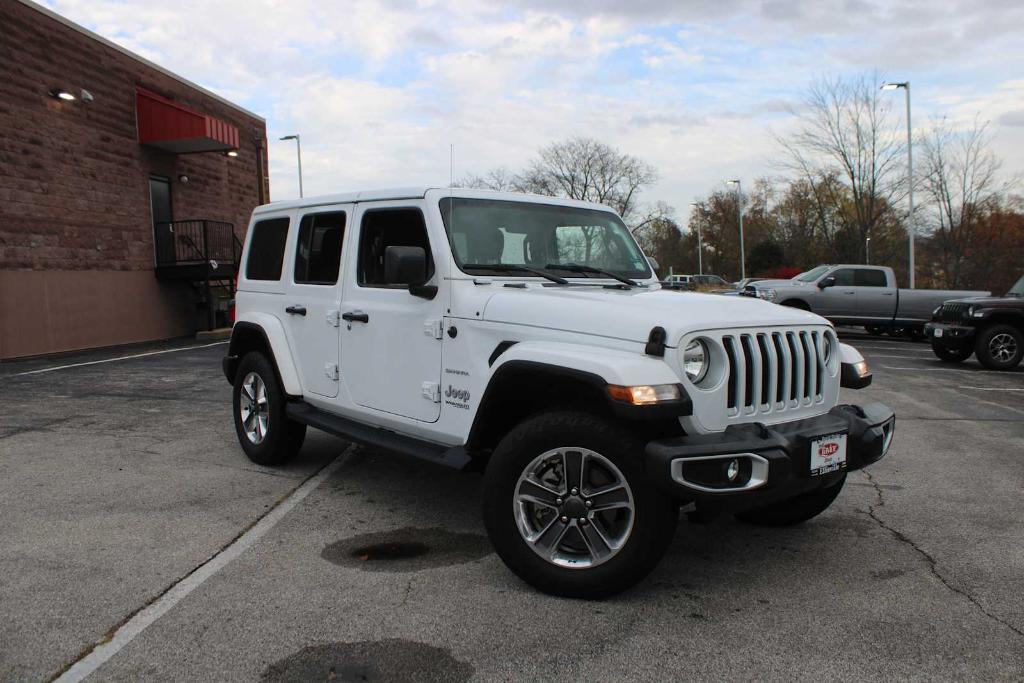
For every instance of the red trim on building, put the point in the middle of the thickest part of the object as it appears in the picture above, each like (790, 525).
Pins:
(175, 128)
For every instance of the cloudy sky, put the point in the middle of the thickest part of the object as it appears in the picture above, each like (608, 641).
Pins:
(380, 88)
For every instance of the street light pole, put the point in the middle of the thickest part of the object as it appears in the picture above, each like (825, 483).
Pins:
(700, 248)
(298, 152)
(743, 256)
(867, 251)
(911, 219)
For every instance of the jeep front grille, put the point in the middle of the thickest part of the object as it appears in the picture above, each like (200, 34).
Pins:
(775, 370)
(951, 312)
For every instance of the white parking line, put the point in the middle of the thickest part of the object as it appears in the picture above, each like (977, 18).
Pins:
(997, 372)
(992, 388)
(111, 360)
(173, 595)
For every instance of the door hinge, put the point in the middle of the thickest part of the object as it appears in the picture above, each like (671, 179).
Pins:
(434, 328)
(334, 318)
(331, 370)
(432, 391)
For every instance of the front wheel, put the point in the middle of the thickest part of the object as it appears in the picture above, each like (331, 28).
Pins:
(951, 354)
(794, 510)
(1000, 347)
(875, 330)
(569, 509)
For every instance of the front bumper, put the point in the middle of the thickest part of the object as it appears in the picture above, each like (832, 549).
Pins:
(948, 332)
(776, 460)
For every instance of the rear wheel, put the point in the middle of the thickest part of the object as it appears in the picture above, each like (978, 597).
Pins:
(875, 330)
(569, 508)
(999, 347)
(264, 430)
(794, 510)
(951, 353)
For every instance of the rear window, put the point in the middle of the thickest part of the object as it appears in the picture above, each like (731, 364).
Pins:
(266, 249)
(318, 248)
(869, 277)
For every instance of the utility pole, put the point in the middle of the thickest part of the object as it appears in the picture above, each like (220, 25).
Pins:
(298, 152)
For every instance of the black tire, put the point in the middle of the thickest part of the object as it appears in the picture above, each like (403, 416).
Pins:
(796, 303)
(282, 437)
(794, 510)
(999, 347)
(896, 331)
(653, 519)
(957, 353)
(875, 330)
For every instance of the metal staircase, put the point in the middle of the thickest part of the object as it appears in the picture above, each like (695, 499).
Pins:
(205, 253)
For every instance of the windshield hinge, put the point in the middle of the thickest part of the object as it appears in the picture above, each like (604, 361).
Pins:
(431, 391)
(334, 318)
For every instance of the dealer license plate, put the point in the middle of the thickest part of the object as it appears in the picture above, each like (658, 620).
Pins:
(828, 454)
(937, 332)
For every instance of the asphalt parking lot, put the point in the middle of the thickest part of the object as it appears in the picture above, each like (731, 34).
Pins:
(122, 478)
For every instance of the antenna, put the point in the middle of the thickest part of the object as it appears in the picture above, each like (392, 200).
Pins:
(451, 186)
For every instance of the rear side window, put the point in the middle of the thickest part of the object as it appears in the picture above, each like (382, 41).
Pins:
(383, 228)
(266, 249)
(870, 277)
(318, 248)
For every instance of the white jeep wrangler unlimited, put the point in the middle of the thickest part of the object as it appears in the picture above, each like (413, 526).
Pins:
(528, 337)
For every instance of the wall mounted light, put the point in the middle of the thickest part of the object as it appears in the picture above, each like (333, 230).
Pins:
(62, 94)
(232, 153)
(87, 96)
(183, 179)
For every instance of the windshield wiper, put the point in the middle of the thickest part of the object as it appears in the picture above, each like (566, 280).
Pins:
(576, 268)
(512, 268)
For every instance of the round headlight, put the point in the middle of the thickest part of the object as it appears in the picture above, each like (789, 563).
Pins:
(695, 360)
(826, 347)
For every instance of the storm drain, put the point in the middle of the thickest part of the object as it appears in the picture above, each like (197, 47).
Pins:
(407, 550)
(372, 660)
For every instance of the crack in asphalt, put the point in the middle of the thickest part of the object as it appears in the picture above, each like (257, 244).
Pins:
(929, 559)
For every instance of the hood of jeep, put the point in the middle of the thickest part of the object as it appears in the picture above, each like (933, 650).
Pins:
(631, 314)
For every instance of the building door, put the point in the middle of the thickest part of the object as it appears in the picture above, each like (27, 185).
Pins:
(160, 207)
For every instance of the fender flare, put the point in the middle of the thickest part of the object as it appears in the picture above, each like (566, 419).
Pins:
(272, 331)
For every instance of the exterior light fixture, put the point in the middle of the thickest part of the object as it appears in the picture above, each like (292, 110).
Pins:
(232, 153)
(183, 179)
(62, 94)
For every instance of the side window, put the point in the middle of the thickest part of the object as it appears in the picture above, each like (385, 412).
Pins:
(844, 277)
(266, 249)
(318, 248)
(383, 228)
(870, 277)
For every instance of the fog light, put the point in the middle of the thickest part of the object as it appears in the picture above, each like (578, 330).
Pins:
(732, 470)
(645, 394)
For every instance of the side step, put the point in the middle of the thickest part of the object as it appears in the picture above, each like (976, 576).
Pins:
(454, 457)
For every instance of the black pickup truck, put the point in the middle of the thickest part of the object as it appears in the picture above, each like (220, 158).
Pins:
(990, 327)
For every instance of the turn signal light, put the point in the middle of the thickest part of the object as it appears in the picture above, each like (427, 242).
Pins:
(645, 394)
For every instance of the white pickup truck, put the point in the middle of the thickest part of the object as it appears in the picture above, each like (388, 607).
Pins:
(527, 337)
(851, 294)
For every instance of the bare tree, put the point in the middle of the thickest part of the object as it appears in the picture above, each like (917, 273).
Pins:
(500, 179)
(959, 175)
(847, 132)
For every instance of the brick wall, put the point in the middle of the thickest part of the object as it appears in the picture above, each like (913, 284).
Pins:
(74, 193)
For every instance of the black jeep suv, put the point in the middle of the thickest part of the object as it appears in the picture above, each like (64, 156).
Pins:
(991, 327)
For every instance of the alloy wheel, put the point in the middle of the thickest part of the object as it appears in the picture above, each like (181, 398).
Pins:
(254, 408)
(1002, 347)
(573, 507)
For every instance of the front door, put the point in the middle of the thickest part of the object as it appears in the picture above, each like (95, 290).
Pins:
(160, 209)
(839, 300)
(391, 346)
(313, 293)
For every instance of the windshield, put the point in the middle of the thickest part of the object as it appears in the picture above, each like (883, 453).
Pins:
(496, 232)
(1017, 289)
(813, 274)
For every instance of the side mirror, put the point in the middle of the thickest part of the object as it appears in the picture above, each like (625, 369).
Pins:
(408, 266)
(826, 282)
(654, 265)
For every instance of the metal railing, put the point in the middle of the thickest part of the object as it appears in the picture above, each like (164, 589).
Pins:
(194, 242)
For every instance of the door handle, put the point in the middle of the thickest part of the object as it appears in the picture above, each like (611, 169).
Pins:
(849, 292)
(355, 317)
(295, 310)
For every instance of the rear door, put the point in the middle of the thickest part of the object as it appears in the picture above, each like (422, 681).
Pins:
(839, 300)
(876, 300)
(313, 296)
(390, 339)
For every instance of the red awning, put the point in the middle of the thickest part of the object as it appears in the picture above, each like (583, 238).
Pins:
(173, 127)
